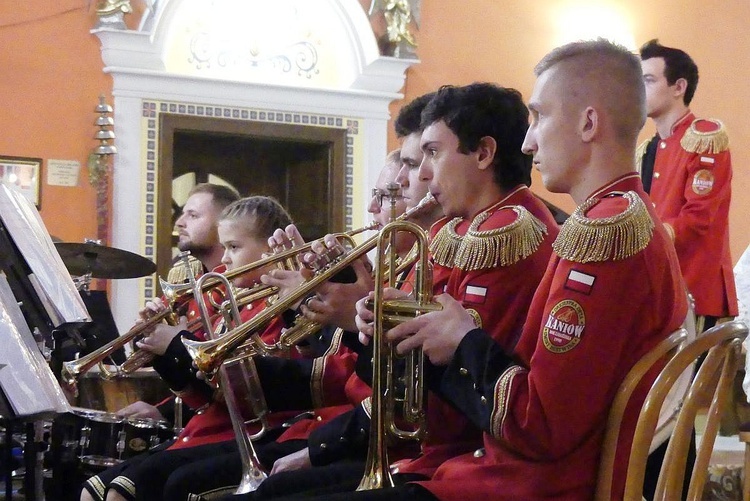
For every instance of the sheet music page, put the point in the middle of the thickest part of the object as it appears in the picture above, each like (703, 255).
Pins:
(25, 226)
(25, 377)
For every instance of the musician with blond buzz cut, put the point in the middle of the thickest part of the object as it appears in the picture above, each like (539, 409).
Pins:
(589, 321)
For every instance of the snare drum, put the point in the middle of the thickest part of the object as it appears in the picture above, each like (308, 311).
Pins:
(140, 434)
(99, 437)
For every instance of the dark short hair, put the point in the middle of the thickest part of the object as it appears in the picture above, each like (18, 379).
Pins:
(475, 111)
(267, 212)
(221, 195)
(677, 64)
(410, 116)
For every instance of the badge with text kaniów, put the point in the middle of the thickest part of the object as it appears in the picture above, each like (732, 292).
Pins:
(564, 327)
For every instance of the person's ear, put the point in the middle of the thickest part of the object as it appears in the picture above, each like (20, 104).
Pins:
(589, 126)
(680, 87)
(486, 152)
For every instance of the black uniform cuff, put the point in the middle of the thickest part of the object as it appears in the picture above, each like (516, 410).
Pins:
(176, 366)
(469, 379)
(344, 437)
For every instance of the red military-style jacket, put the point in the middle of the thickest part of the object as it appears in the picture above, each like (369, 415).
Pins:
(544, 406)
(213, 423)
(691, 190)
(498, 292)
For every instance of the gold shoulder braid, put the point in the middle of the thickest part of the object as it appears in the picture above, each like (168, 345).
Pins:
(178, 274)
(500, 246)
(714, 141)
(585, 240)
(639, 152)
(445, 243)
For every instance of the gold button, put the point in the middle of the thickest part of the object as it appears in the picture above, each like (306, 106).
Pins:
(463, 371)
(479, 453)
(185, 439)
(656, 175)
(663, 144)
(319, 418)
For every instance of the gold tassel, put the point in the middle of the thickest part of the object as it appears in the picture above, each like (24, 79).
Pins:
(613, 238)
(178, 274)
(711, 142)
(504, 246)
(445, 244)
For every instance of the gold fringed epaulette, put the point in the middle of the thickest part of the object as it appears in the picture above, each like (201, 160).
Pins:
(504, 246)
(613, 238)
(178, 273)
(444, 245)
(705, 136)
(639, 152)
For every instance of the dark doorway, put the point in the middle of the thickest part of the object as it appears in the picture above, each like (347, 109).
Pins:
(302, 167)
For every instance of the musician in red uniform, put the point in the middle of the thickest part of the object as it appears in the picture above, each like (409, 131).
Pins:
(490, 253)
(196, 229)
(243, 228)
(544, 405)
(687, 170)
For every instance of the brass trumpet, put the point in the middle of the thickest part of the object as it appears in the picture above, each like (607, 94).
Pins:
(283, 258)
(208, 355)
(71, 370)
(384, 388)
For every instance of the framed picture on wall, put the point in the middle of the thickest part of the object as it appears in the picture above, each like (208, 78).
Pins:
(23, 174)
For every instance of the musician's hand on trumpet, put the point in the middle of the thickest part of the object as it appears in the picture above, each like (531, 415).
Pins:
(365, 317)
(152, 308)
(437, 333)
(161, 337)
(334, 302)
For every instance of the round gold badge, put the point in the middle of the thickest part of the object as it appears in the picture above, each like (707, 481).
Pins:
(703, 182)
(564, 327)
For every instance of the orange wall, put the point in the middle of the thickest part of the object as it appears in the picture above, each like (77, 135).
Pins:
(52, 76)
(461, 41)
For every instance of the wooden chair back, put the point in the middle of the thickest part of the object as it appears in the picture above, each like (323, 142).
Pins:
(710, 388)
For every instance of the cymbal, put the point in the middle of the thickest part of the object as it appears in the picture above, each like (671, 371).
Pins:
(102, 261)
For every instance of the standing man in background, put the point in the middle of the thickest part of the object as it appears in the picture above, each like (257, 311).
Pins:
(687, 170)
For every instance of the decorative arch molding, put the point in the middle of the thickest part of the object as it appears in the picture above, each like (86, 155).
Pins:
(177, 59)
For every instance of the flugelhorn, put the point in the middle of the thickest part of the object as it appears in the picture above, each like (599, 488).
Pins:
(252, 471)
(385, 394)
(208, 355)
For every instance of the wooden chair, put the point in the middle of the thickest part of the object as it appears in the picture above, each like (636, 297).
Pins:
(710, 388)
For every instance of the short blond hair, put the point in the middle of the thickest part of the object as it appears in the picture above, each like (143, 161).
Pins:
(607, 72)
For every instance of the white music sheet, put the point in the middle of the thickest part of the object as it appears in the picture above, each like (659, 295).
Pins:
(25, 377)
(50, 278)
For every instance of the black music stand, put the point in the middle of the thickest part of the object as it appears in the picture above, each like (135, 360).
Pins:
(37, 297)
